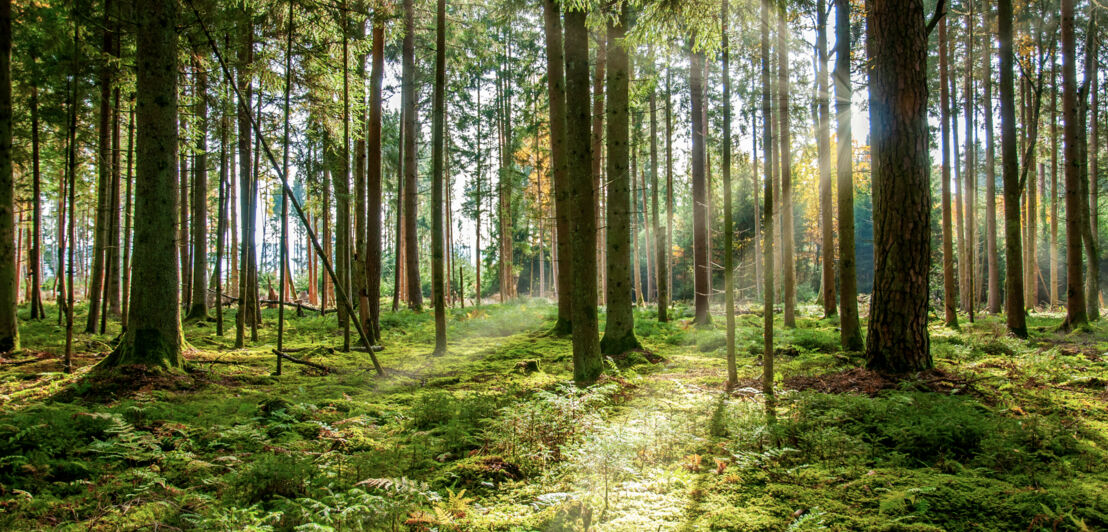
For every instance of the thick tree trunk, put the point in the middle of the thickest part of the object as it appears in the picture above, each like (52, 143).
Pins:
(246, 308)
(587, 364)
(9, 330)
(1013, 277)
(1089, 106)
(555, 64)
(1076, 311)
(619, 328)
(596, 159)
(154, 337)
(897, 46)
(359, 255)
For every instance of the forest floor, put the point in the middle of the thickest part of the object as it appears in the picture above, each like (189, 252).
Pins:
(1005, 434)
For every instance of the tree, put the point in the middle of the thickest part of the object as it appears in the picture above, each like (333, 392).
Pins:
(993, 258)
(950, 303)
(1013, 277)
(198, 308)
(619, 329)
(587, 363)
(850, 332)
(786, 201)
(373, 174)
(411, 171)
(104, 176)
(701, 267)
(728, 266)
(153, 338)
(897, 45)
(438, 156)
(555, 79)
(767, 249)
(661, 268)
(823, 141)
(9, 330)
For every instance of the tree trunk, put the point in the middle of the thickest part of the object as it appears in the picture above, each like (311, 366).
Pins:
(597, 155)
(359, 254)
(619, 328)
(104, 176)
(438, 156)
(1013, 277)
(701, 268)
(990, 177)
(823, 128)
(557, 105)
(969, 173)
(35, 258)
(411, 250)
(154, 337)
(787, 233)
(125, 278)
(1090, 104)
(1054, 187)
(661, 262)
(669, 192)
(199, 304)
(587, 364)
(767, 230)
(850, 332)
(728, 246)
(245, 56)
(9, 330)
(950, 304)
(897, 46)
(1076, 311)
(373, 177)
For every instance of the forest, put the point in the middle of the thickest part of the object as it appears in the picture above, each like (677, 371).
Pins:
(515, 265)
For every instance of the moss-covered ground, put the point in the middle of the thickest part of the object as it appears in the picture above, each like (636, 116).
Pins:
(1006, 434)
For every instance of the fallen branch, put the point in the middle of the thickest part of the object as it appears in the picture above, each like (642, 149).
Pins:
(295, 360)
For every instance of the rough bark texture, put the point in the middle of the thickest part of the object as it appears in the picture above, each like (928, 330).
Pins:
(153, 336)
(661, 263)
(1076, 311)
(619, 327)
(1013, 252)
(587, 364)
(850, 332)
(103, 181)
(555, 66)
(897, 46)
(9, 330)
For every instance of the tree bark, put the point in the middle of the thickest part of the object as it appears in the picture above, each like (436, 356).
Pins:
(728, 246)
(897, 46)
(950, 303)
(619, 329)
(850, 332)
(701, 268)
(104, 176)
(1013, 278)
(198, 309)
(438, 156)
(990, 177)
(9, 329)
(154, 337)
(787, 232)
(35, 258)
(587, 364)
(823, 128)
(411, 250)
(373, 176)
(555, 62)
(767, 230)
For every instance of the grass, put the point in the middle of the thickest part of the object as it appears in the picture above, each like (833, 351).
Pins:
(1007, 434)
